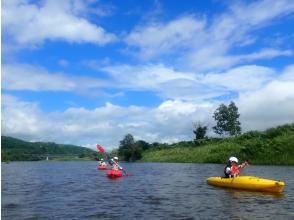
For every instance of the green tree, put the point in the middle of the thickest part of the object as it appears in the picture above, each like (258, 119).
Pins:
(130, 150)
(226, 118)
(199, 131)
(143, 144)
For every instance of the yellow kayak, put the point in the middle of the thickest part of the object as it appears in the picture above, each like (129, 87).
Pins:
(252, 183)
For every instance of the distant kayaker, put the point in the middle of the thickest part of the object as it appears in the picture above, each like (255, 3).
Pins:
(114, 163)
(233, 169)
(102, 162)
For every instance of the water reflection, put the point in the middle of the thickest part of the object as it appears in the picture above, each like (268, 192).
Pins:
(239, 194)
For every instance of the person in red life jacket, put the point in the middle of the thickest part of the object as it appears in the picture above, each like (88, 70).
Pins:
(102, 162)
(114, 163)
(233, 169)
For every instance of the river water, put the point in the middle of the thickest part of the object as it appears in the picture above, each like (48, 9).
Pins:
(77, 190)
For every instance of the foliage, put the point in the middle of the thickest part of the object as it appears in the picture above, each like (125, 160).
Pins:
(199, 131)
(274, 146)
(15, 149)
(226, 118)
(130, 150)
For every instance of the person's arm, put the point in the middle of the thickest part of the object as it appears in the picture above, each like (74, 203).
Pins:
(228, 171)
(244, 164)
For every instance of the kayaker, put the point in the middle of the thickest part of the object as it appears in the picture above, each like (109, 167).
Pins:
(102, 162)
(114, 163)
(232, 169)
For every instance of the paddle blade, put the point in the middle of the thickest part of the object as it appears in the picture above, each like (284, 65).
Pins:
(100, 149)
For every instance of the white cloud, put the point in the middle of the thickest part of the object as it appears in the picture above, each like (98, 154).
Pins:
(159, 38)
(260, 12)
(34, 78)
(201, 72)
(24, 119)
(271, 105)
(171, 84)
(106, 125)
(145, 76)
(288, 74)
(265, 54)
(240, 79)
(165, 81)
(50, 20)
(204, 46)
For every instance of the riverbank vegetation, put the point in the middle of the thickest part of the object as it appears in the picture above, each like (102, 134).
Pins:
(274, 146)
(13, 149)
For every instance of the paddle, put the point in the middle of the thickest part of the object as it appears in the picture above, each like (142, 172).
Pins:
(127, 174)
(102, 151)
(124, 171)
(244, 164)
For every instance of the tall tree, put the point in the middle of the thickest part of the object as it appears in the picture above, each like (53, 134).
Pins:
(226, 118)
(199, 131)
(234, 124)
(130, 150)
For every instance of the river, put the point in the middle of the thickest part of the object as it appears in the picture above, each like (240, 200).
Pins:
(77, 190)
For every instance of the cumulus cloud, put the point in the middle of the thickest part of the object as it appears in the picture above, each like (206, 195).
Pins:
(206, 69)
(172, 84)
(35, 78)
(23, 119)
(28, 24)
(170, 121)
(106, 125)
(271, 105)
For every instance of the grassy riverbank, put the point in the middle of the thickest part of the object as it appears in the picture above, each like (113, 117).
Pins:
(274, 146)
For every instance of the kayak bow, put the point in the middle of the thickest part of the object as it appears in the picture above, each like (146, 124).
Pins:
(102, 167)
(114, 173)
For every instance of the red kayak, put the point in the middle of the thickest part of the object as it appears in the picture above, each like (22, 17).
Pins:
(102, 167)
(114, 173)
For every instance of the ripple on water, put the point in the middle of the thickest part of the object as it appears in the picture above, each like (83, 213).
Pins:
(76, 190)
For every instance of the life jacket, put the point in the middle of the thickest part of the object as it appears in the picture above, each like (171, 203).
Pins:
(115, 167)
(235, 170)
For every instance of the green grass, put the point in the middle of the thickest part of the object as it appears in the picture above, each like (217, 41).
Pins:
(274, 146)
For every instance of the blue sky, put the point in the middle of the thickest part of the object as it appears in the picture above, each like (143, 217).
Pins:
(87, 72)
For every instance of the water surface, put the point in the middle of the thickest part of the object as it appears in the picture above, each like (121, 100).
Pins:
(77, 190)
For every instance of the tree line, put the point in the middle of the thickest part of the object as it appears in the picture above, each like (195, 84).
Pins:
(14, 149)
(227, 124)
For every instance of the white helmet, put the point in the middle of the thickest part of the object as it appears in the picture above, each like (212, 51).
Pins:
(233, 159)
(102, 159)
(115, 158)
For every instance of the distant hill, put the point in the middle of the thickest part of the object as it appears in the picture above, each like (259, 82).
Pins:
(13, 149)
